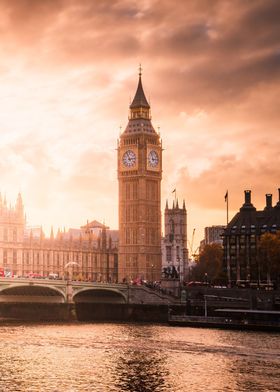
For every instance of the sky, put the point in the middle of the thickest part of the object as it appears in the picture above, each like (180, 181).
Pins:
(68, 69)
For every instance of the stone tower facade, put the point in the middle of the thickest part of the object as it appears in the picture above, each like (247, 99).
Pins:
(139, 175)
(174, 245)
(12, 224)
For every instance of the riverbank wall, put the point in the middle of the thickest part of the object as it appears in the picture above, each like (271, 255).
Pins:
(84, 312)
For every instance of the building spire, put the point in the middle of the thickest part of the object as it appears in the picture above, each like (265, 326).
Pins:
(140, 70)
(140, 101)
(139, 111)
(19, 205)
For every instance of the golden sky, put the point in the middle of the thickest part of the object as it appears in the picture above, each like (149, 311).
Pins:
(68, 69)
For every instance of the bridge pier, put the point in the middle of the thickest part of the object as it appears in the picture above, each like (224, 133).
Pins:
(69, 292)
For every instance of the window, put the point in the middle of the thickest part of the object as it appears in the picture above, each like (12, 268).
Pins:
(153, 236)
(127, 233)
(5, 258)
(177, 252)
(134, 214)
(14, 257)
(168, 253)
(134, 236)
(135, 191)
(127, 191)
(128, 213)
(172, 226)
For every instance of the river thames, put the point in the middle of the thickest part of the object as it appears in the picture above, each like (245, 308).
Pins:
(138, 358)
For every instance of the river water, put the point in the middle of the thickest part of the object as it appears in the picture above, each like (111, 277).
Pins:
(137, 358)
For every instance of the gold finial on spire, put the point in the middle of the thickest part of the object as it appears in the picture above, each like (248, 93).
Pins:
(140, 70)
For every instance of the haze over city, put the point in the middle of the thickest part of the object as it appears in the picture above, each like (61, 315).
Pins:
(69, 69)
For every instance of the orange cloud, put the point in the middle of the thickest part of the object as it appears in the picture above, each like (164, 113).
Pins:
(68, 68)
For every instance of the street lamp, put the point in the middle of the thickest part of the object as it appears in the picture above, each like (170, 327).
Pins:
(70, 265)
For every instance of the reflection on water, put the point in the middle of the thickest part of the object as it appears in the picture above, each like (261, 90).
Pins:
(136, 358)
(141, 368)
(141, 371)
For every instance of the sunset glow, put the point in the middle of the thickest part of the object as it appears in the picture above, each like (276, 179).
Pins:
(69, 68)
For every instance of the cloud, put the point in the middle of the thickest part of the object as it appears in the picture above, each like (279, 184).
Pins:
(68, 68)
(259, 173)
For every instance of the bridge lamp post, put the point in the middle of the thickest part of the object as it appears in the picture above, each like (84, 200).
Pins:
(69, 269)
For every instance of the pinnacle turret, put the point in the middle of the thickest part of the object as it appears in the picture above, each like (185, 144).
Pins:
(19, 205)
(52, 235)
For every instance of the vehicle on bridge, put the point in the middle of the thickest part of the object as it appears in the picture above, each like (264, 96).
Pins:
(35, 276)
(53, 276)
(6, 273)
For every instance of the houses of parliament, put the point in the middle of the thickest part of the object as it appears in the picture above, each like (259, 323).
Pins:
(94, 252)
(91, 251)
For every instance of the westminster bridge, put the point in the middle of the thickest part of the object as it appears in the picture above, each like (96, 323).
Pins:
(66, 291)
(49, 299)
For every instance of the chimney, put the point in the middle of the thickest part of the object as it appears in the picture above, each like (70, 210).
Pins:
(268, 200)
(278, 203)
(247, 202)
(247, 197)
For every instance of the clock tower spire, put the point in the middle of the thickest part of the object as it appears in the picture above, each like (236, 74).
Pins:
(139, 107)
(139, 175)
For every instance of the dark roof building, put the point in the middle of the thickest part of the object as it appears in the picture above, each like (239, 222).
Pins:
(241, 238)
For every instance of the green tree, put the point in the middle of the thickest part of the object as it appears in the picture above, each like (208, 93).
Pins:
(209, 264)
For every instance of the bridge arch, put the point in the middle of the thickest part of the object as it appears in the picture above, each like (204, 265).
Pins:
(31, 293)
(99, 295)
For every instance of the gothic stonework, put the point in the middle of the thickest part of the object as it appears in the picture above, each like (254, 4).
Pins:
(174, 244)
(90, 252)
(139, 175)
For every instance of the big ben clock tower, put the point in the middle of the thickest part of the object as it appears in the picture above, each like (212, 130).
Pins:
(139, 175)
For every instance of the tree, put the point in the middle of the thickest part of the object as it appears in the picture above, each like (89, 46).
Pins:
(269, 255)
(209, 264)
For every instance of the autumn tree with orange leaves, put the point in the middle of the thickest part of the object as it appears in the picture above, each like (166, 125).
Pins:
(269, 256)
(209, 264)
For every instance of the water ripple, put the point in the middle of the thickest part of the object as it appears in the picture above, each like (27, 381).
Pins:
(136, 358)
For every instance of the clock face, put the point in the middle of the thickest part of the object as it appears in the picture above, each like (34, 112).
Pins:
(153, 158)
(129, 158)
